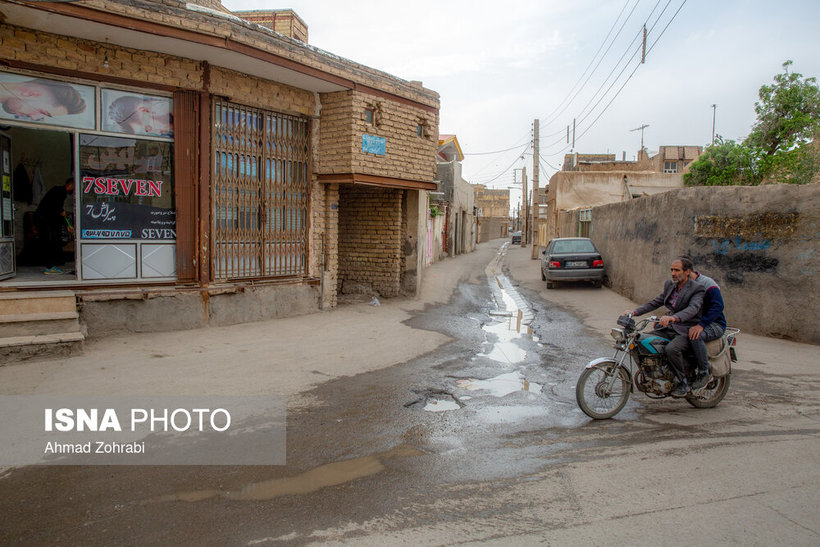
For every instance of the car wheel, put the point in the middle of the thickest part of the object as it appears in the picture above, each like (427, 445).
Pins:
(550, 285)
(598, 284)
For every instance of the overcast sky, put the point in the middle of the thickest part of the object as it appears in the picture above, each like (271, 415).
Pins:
(499, 65)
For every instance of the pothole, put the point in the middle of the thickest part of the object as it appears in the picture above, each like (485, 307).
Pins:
(432, 400)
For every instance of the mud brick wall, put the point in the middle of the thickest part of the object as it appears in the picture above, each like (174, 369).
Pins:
(759, 243)
(250, 91)
(408, 156)
(50, 50)
(369, 240)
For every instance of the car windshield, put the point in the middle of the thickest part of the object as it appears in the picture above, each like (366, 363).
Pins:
(574, 246)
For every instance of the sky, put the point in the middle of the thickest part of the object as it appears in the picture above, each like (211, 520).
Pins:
(499, 65)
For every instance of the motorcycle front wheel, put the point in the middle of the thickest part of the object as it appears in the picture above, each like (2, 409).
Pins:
(600, 395)
(711, 395)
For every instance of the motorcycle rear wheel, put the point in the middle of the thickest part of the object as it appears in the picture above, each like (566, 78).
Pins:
(595, 398)
(711, 395)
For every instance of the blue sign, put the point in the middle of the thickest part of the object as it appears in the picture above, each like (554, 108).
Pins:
(374, 145)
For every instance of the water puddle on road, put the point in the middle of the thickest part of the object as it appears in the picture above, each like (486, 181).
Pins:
(331, 474)
(501, 385)
(517, 317)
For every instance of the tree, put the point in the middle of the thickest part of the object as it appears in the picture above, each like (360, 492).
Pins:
(722, 164)
(781, 146)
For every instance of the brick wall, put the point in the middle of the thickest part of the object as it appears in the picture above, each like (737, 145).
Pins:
(24, 45)
(369, 240)
(260, 93)
(407, 157)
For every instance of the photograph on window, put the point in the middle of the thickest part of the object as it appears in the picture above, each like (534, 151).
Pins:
(137, 114)
(126, 189)
(39, 100)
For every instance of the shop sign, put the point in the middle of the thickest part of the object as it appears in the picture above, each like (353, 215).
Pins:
(373, 144)
(127, 189)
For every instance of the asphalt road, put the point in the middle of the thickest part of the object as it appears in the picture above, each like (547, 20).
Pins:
(445, 419)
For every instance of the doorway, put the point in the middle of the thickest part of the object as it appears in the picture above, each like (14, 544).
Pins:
(43, 207)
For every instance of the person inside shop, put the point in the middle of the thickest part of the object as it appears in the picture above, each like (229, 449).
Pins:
(39, 99)
(140, 115)
(51, 222)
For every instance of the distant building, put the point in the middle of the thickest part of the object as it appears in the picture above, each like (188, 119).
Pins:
(492, 212)
(283, 21)
(455, 198)
(589, 180)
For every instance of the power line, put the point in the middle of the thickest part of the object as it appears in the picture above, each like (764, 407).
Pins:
(606, 107)
(548, 116)
(601, 59)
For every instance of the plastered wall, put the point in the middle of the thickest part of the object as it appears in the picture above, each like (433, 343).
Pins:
(759, 243)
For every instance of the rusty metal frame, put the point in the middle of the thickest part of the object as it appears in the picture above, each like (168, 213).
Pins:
(261, 193)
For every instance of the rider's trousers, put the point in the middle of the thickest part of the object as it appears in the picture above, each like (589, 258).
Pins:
(678, 343)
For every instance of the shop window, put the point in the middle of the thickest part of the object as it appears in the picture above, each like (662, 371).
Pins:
(126, 189)
(261, 193)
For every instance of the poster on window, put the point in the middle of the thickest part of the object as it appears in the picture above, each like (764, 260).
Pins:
(40, 100)
(137, 114)
(126, 189)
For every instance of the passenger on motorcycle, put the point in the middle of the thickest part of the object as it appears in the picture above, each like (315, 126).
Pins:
(683, 298)
(712, 325)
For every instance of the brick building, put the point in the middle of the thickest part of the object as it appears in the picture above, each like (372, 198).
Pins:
(224, 172)
(493, 212)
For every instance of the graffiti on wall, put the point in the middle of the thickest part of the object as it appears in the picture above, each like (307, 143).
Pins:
(739, 245)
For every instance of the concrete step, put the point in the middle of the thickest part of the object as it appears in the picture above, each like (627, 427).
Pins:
(32, 324)
(37, 324)
(18, 349)
(25, 302)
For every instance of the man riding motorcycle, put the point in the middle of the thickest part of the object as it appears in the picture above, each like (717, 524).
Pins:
(683, 297)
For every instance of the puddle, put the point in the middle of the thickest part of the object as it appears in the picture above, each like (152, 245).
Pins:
(331, 474)
(501, 385)
(441, 405)
(514, 317)
(435, 401)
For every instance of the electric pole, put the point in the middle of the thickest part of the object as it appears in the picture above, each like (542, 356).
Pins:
(714, 112)
(535, 173)
(525, 210)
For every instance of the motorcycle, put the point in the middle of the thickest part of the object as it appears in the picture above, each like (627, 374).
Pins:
(604, 387)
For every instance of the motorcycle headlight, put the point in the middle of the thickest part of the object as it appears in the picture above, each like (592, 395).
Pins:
(618, 335)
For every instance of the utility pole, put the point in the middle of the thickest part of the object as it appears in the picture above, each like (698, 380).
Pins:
(535, 173)
(525, 210)
(641, 128)
(714, 112)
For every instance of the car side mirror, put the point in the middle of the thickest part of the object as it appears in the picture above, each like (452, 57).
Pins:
(544, 252)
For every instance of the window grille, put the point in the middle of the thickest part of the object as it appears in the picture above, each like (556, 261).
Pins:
(261, 193)
(584, 222)
(670, 167)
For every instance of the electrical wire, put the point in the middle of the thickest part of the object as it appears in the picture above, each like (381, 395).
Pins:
(586, 130)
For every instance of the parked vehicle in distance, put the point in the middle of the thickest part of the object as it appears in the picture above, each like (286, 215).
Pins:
(515, 238)
(571, 259)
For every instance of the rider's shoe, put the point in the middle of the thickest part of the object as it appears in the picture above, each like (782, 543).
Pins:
(701, 380)
(681, 390)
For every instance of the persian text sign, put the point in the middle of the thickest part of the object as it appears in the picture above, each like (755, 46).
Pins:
(142, 430)
(374, 145)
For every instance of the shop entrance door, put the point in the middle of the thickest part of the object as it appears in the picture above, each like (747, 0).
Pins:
(6, 210)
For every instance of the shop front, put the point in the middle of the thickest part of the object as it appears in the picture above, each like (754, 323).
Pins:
(88, 183)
